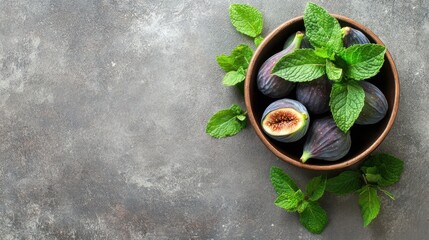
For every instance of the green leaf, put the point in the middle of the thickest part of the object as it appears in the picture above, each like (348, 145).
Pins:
(372, 178)
(234, 77)
(225, 122)
(389, 167)
(240, 58)
(369, 204)
(302, 206)
(363, 60)
(387, 193)
(258, 40)
(346, 103)
(289, 201)
(333, 72)
(282, 182)
(314, 218)
(302, 65)
(246, 19)
(322, 29)
(316, 188)
(346, 182)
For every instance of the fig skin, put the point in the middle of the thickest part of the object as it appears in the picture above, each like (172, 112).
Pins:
(271, 85)
(302, 114)
(375, 107)
(326, 141)
(353, 36)
(315, 95)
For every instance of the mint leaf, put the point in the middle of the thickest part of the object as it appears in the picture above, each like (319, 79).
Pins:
(369, 204)
(387, 193)
(281, 181)
(246, 19)
(333, 72)
(322, 29)
(346, 102)
(363, 60)
(313, 218)
(234, 77)
(372, 178)
(226, 63)
(389, 167)
(289, 201)
(302, 65)
(258, 40)
(302, 206)
(316, 188)
(346, 182)
(225, 122)
(240, 57)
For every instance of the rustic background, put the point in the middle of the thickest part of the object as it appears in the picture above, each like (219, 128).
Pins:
(103, 106)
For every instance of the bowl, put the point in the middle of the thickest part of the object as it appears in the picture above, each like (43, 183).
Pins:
(365, 139)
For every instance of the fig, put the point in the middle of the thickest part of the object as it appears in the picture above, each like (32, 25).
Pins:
(326, 141)
(315, 95)
(271, 85)
(375, 106)
(304, 43)
(285, 120)
(353, 36)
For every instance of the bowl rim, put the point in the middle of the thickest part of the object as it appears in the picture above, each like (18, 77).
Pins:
(294, 162)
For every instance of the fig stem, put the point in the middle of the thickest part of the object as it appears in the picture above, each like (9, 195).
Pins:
(305, 156)
(296, 43)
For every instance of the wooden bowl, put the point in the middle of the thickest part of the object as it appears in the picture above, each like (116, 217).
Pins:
(365, 139)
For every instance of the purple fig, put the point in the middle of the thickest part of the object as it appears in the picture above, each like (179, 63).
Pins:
(315, 95)
(326, 141)
(353, 36)
(271, 85)
(285, 120)
(375, 107)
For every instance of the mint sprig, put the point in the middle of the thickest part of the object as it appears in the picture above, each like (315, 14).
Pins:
(247, 20)
(342, 65)
(311, 215)
(377, 171)
(226, 122)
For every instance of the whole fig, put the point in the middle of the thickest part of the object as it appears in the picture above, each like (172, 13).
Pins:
(315, 95)
(304, 43)
(353, 36)
(375, 106)
(271, 85)
(285, 120)
(326, 141)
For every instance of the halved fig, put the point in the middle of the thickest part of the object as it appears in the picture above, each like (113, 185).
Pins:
(285, 120)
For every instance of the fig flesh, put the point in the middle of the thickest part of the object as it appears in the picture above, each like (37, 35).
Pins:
(353, 36)
(326, 141)
(271, 85)
(315, 95)
(285, 120)
(375, 106)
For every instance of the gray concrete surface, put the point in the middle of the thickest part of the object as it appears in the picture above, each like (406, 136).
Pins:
(103, 106)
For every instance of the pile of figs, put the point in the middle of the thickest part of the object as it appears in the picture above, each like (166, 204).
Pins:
(288, 120)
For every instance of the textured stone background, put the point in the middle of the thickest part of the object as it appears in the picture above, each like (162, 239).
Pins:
(103, 106)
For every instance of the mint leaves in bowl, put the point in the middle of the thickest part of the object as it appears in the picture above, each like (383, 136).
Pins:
(348, 68)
